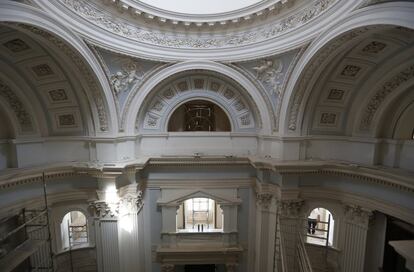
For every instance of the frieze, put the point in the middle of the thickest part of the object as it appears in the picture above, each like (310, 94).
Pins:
(117, 26)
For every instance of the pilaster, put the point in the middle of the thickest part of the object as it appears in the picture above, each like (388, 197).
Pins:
(291, 223)
(266, 210)
(355, 237)
(130, 205)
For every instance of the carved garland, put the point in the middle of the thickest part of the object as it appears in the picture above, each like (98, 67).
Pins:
(387, 88)
(83, 69)
(119, 27)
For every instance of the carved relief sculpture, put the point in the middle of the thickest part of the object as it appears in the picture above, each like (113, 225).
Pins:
(124, 78)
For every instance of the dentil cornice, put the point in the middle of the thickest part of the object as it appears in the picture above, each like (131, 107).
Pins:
(280, 35)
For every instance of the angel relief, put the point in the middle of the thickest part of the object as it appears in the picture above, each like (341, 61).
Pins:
(270, 73)
(130, 73)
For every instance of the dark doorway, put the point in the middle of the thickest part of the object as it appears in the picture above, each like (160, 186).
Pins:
(396, 230)
(200, 268)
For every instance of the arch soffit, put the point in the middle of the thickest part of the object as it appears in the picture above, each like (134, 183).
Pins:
(39, 23)
(194, 95)
(28, 119)
(150, 89)
(323, 49)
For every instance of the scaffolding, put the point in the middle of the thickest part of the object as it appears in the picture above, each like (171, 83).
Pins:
(35, 252)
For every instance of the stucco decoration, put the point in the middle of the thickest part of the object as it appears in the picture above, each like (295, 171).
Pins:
(175, 91)
(357, 215)
(272, 74)
(381, 95)
(100, 18)
(126, 75)
(309, 72)
(19, 109)
(83, 69)
(130, 73)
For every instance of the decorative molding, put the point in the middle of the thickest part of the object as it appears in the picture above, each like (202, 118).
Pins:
(170, 93)
(104, 210)
(122, 80)
(291, 208)
(83, 69)
(314, 66)
(19, 109)
(123, 28)
(357, 215)
(381, 94)
(264, 200)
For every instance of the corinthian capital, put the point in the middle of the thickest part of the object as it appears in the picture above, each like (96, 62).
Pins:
(102, 209)
(357, 215)
(291, 208)
(264, 199)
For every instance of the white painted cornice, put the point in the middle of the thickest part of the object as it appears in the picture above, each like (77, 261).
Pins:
(255, 11)
(273, 38)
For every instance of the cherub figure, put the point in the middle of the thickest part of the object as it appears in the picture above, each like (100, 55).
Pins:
(128, 74)
(264, 66)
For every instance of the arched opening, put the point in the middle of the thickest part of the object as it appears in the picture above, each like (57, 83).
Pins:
(199, 115)
(199, 215)
(320, 227)
(74, 230)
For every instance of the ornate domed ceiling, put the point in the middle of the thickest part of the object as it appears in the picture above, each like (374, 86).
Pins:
(199, 6)
(239, 30)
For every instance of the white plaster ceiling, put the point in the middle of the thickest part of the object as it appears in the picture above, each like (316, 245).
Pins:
(39, 91)
(200, 6)
(347, 97)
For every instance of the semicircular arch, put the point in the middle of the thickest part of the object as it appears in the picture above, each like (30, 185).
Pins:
(243, 88)
(329, 45)
(32, 20)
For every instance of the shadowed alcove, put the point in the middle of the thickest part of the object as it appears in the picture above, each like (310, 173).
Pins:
(199, 115)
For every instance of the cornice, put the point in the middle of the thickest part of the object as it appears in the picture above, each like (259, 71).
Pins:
(277, 36)
(252, 12)
(390, 177)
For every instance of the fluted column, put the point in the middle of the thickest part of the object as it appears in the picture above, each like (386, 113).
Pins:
(355, 237)
(129, 206)
(105, 210)
(106, 236)
(266, 209)
(291, 223)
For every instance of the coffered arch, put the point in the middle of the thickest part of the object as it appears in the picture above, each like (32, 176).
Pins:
(329, 61)
(79, 64)
(245, 105)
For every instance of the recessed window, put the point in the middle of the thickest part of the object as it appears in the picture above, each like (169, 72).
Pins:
(199, 115)
(199, 215)
(320, 227)
(74, 230)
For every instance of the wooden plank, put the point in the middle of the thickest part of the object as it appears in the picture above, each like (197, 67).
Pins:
(19, 254)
